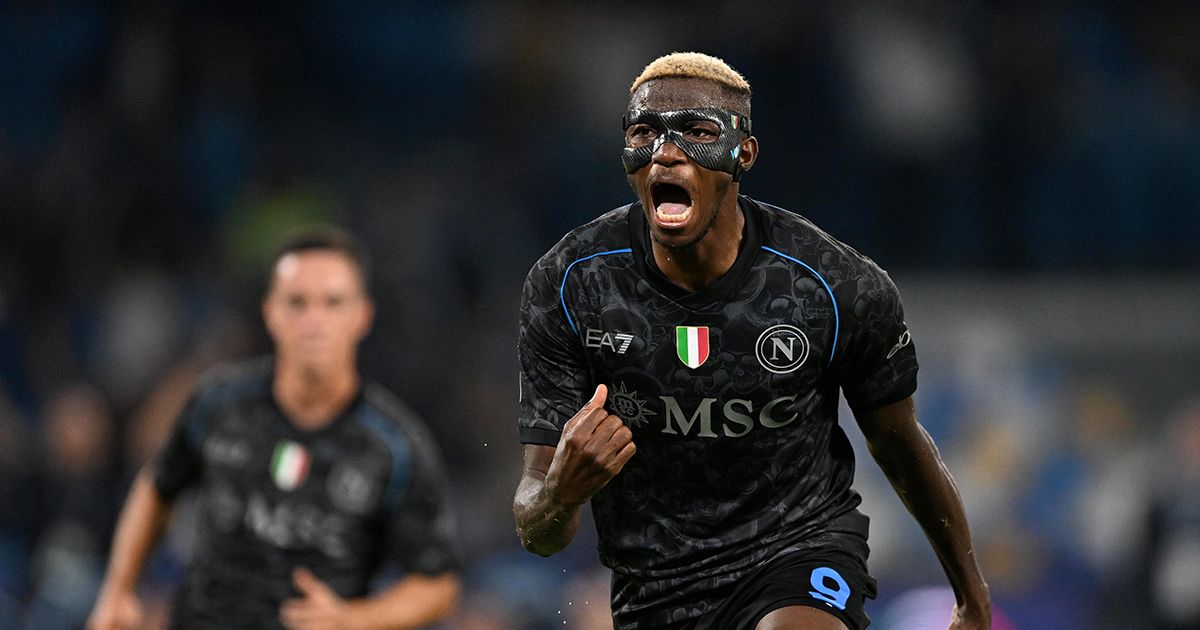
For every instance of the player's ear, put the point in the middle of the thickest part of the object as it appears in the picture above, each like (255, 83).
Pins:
(749, 152)
(368, 316)
(268, 314)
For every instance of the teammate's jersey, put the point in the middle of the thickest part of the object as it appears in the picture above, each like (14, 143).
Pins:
(731, 393)
(341, 500)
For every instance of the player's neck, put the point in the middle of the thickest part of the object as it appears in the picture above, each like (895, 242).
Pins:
(312, 397)
(702, 264)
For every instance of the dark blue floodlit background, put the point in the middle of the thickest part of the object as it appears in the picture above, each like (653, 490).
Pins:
(1029, 173)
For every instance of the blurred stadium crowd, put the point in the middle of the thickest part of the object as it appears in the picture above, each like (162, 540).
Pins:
(1004, 161)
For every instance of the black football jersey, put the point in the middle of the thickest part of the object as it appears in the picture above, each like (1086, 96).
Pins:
(731, 393)
(341, 500)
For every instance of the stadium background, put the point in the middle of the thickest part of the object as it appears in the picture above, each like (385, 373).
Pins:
(1030, 175)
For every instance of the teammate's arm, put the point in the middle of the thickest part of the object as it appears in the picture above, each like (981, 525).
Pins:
(145, 516)
(915, 469)
(142, 522)
(413, 602)
(557, 481)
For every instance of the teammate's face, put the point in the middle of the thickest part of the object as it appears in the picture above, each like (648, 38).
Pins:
(681, 198)
(317, 310)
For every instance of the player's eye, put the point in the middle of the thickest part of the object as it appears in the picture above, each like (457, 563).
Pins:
(296, 302)
(702, 131)
(639, 135)
(335, 301)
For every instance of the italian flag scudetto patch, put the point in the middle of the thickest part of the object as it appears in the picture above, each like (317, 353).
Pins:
(289, 464)
(691, 344)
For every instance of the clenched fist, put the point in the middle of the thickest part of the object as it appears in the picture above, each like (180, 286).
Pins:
(594, 447)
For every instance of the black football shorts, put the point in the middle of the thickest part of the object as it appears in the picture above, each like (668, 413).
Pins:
(832, 578)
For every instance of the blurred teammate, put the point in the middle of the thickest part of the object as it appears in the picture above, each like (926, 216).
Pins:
(310, 480)
(680, 365)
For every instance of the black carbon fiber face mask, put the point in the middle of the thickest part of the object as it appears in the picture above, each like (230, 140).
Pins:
(719, 155)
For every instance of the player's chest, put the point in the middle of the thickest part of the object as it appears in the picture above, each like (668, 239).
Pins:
(781, 333)
(251, 454)
(266, 484)
(755, 363)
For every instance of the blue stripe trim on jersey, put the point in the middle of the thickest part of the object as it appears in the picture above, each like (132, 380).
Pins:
(197, 423)
(836, 320)
(396, 443)
(562, 287)
(212, 398)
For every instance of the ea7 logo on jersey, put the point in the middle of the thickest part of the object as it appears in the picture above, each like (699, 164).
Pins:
(616, 342)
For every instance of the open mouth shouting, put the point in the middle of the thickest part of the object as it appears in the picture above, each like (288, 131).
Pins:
(672, 205)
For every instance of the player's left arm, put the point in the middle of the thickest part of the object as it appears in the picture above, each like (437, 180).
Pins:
(412, 602)
(877, 370)
(910, 459)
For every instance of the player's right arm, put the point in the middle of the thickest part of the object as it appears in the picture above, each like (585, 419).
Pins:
(142, 522)
(572, 445)
(557, 481)
(145, 515)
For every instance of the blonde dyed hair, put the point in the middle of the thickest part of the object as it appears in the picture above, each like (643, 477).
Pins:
(693, 65)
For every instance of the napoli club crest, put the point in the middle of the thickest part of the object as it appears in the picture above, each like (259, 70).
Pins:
(781, 349)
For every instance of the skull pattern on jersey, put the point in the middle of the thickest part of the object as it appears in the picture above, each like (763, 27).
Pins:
(370, 491)
(742, 456)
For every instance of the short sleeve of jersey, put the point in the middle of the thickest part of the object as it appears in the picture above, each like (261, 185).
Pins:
(179, 462)
(420, 524)
(554, 374)
(878, 365)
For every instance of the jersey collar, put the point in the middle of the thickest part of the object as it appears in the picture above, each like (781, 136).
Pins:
(335, 420)
(752, 240)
